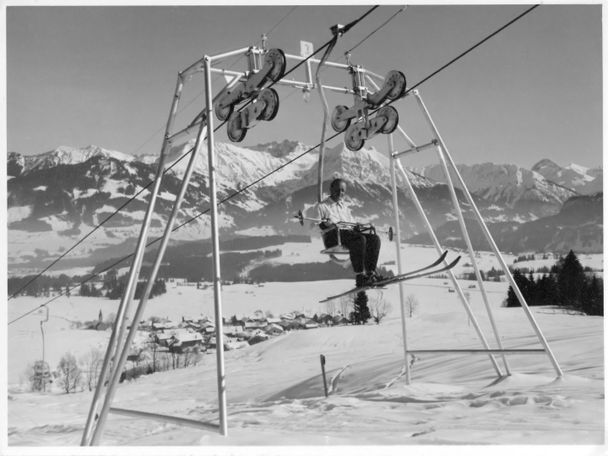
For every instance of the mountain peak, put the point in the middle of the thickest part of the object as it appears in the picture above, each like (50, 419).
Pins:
(62, 155)
(579, 178)
(545, 163)
(578, 168)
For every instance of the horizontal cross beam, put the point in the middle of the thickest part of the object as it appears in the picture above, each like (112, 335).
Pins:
(170, 419)
(513, 351)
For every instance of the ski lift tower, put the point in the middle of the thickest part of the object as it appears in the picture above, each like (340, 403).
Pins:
(247, 100)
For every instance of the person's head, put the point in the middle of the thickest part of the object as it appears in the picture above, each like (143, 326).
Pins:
(337, 189)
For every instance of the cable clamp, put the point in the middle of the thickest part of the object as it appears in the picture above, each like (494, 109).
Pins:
(338, 30)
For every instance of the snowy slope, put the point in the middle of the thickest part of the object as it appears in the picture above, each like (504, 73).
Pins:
(275, 392)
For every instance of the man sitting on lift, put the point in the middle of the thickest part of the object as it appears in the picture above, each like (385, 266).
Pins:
(364, 247)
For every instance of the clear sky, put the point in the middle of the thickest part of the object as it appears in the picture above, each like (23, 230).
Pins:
(105, 75)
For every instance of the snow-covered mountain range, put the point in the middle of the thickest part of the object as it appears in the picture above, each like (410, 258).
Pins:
(57, 197)
(530, 193)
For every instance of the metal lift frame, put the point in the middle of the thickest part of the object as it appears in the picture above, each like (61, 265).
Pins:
(115, 356)
(120, 340)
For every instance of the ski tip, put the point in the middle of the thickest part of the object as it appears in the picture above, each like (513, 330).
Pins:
(455, 262)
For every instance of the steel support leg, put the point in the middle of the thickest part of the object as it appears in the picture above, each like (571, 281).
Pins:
(217, 286)
(490, 239)
(94, 421)
(157, 262)
(467, 239)
(451, 273)
(406, 364)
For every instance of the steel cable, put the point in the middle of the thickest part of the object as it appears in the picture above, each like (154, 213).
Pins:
(99, 225)
(286, 163)
(346, 29)
(403, 8)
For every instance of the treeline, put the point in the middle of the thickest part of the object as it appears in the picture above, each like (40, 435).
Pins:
(113, 287)
(200, 267)
(193, 267)
(532, 257)
(566, 285)
(493, 275)
(39, 286)
(194, 251)
(304, 272)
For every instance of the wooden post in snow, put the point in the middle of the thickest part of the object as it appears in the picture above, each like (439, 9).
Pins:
(323, 372)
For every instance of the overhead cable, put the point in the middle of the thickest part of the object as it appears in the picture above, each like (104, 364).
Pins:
(99, 225)
(286, 163)
(294, 159)
(376, 30)
(281, 20)
(39, 274)
(511, 22)
(346, 29)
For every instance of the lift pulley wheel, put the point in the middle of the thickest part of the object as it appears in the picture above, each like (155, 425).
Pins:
(222, 112)
(395, 79)
(355, 136)
(235, 130)
(276, 58)
(338, 121)
(393, 88)
(270, 98)
(391, 117)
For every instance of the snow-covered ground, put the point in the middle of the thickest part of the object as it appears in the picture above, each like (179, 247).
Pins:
(275, 391)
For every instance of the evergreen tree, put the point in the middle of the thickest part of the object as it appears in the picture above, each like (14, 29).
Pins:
(571, 281)
(593, 297)
(110, 279)
(512, 300)
(84, 290)
(158, 288)
(566, 285)
(522, 284)
(531, 290)
(546, 291)
(539, 295)
(116, 292)
(361, 313)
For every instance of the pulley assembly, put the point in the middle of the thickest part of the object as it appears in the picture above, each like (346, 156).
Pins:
(356, 121)
(263, 102)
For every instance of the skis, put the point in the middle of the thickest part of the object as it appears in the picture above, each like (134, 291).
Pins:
(415, 274)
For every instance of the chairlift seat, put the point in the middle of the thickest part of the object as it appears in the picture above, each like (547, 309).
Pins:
(339, 254)
(336, 250)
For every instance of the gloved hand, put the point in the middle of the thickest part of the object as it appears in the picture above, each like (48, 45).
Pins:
(327, 224)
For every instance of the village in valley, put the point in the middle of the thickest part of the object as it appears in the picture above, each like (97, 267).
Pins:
(162, 343)
(238, 331)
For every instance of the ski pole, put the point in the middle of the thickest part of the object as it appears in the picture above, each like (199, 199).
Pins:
(300, 217)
